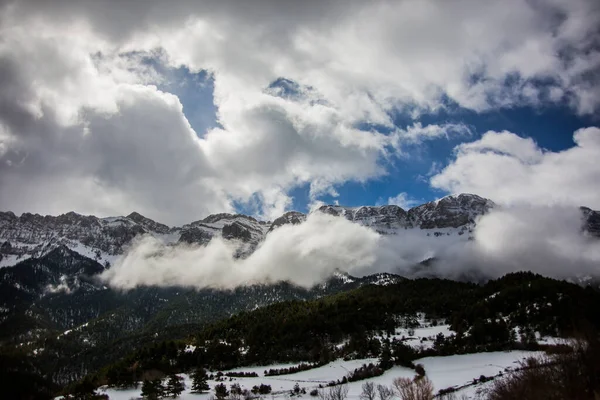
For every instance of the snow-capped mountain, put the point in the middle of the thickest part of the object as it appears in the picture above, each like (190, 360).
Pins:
(291, 217)
(104, 239)
(230, 226)
(455, 211)
(450, 212)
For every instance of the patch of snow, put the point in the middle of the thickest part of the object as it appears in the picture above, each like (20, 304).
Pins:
(9, 260)
(458, 370)
(451, 371)
(189, 348)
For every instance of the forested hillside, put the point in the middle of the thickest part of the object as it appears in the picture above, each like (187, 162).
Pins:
(499, 315)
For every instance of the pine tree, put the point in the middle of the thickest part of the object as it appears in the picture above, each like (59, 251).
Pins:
(153, 390)
(174, 386)
(85, 389)
(199, 383)
(385, 360)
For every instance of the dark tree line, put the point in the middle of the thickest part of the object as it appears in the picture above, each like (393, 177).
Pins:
(483, 317)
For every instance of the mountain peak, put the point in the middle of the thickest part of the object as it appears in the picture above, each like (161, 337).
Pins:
(290, 217)
(461, 197)
(148, 223)
(7, 215)
(451, 211)
(136, 216)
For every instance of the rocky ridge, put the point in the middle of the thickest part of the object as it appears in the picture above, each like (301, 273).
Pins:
(104, 239)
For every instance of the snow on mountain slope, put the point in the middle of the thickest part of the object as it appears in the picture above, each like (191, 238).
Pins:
(291, 217)
(231, 226)
(32, 235)
(382, 218)
(450, 212)
(104, 239)
(450, 219)
(453, 211)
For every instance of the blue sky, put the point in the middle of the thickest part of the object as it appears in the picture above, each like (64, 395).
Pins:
(550, 126)
(97, 102)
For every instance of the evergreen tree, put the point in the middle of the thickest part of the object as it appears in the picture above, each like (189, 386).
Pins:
(385, 360)
(199, 383)
(221, 391)
(153, 390)
(528, 339)
(84, 389)
(175, 386)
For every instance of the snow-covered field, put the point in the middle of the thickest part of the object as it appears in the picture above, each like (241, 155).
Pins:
(421, 337)
(444, 372)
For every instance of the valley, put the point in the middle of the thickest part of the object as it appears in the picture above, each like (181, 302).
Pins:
(61, 322)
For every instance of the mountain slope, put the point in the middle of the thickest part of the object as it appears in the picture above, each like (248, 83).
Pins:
(57, 310)
(104, 239)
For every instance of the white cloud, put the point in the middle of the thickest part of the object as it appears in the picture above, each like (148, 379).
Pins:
(545, 240)
(304, 254)
(514, 170)
(418, 133)
(404, 200)
(83, 127)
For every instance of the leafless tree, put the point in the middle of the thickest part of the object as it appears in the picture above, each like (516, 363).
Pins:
(235, 393)
(385, 393)
(338, 392)
(420, 388)
(368, 391)
(323, 394)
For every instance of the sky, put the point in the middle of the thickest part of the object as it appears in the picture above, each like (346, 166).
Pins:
(182, 109)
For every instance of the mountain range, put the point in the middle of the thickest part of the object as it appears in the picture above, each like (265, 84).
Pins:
(104, 239)
(54, 307)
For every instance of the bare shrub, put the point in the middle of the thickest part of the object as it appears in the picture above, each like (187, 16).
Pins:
(567, 375)
(323, 394)
(385, 393)
(368, 391)
(338, 392)
(420, 388)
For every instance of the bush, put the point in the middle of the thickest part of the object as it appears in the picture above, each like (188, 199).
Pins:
(262, 389)
(420, 369)
(291, 370)
(221, 391)
(242, 374)
(364, 372)
(573, 375)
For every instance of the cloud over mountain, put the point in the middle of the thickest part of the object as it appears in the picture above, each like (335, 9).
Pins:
(515, 170)
(545, 240)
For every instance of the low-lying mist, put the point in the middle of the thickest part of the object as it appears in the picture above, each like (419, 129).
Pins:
(547, 240)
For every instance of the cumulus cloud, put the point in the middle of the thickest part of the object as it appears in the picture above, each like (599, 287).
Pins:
(546, 240)
(82, 126)
(403, 200)
(304, 254)
(515, 170)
